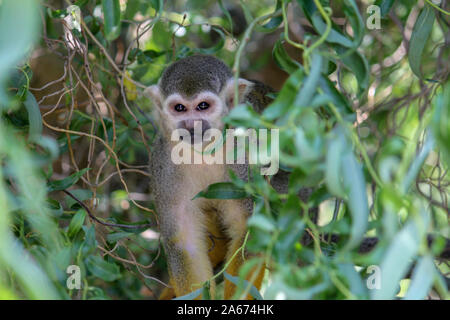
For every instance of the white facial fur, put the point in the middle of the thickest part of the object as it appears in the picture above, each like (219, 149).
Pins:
(212, 114)
(219, 105)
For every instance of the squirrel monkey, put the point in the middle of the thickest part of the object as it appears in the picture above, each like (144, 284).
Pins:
(198, 234)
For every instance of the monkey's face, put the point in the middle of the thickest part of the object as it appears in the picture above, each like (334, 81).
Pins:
(194, 114)
(189, 117)
(192, 97)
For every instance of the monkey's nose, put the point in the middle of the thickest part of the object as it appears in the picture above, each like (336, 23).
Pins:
(194, 137)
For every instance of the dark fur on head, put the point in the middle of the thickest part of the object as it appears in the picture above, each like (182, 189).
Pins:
(194, 74)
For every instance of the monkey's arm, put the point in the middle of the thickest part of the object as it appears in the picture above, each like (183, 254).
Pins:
(186, 249)
(234, 216)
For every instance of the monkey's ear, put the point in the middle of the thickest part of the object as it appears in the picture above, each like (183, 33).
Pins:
(154, 94)
(243, 86)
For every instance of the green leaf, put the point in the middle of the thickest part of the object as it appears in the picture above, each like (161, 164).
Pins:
(422, 279)
(275, 22)
(283, 60)
(357, 64)
(111, 13)
(206, 293)
(248, 15)
(33, 278)
(147, 55)
(440, 124)
(262, 222)
(80, 194)
(308, 7)
(114, 237)
(158, 5)
(385, 6)
(34, 117)
(355, 186)
(90, 243)
(18, 30)
(420, 34)
(399, 256)
(339, 101)
(222, 190)
(334, 36)
(333, 176)
(227, 15)
(244, 115)
(416, 165)
(345, 179)
(49, 145)
(76, 223)
(307, 150)
(65, 183)
(306, 93)
(216, 47)
(352, 12)
(103, 269)
(286, 96)
(278, 287)
(236, 280)
(191, 296)
(81, 3)
(287, 239)
(55, 207)
(357, 287)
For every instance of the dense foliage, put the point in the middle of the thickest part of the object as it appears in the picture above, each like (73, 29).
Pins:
(362, 111)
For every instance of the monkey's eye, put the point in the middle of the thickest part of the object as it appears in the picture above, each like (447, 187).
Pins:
(179, 108)
(203, 106)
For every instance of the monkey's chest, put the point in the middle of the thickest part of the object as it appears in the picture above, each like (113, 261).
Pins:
(199, 176)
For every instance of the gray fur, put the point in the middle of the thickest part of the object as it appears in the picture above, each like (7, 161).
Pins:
(193, 74)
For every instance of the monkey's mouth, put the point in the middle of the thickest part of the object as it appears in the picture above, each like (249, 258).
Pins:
(193, 131)
(193, 139)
